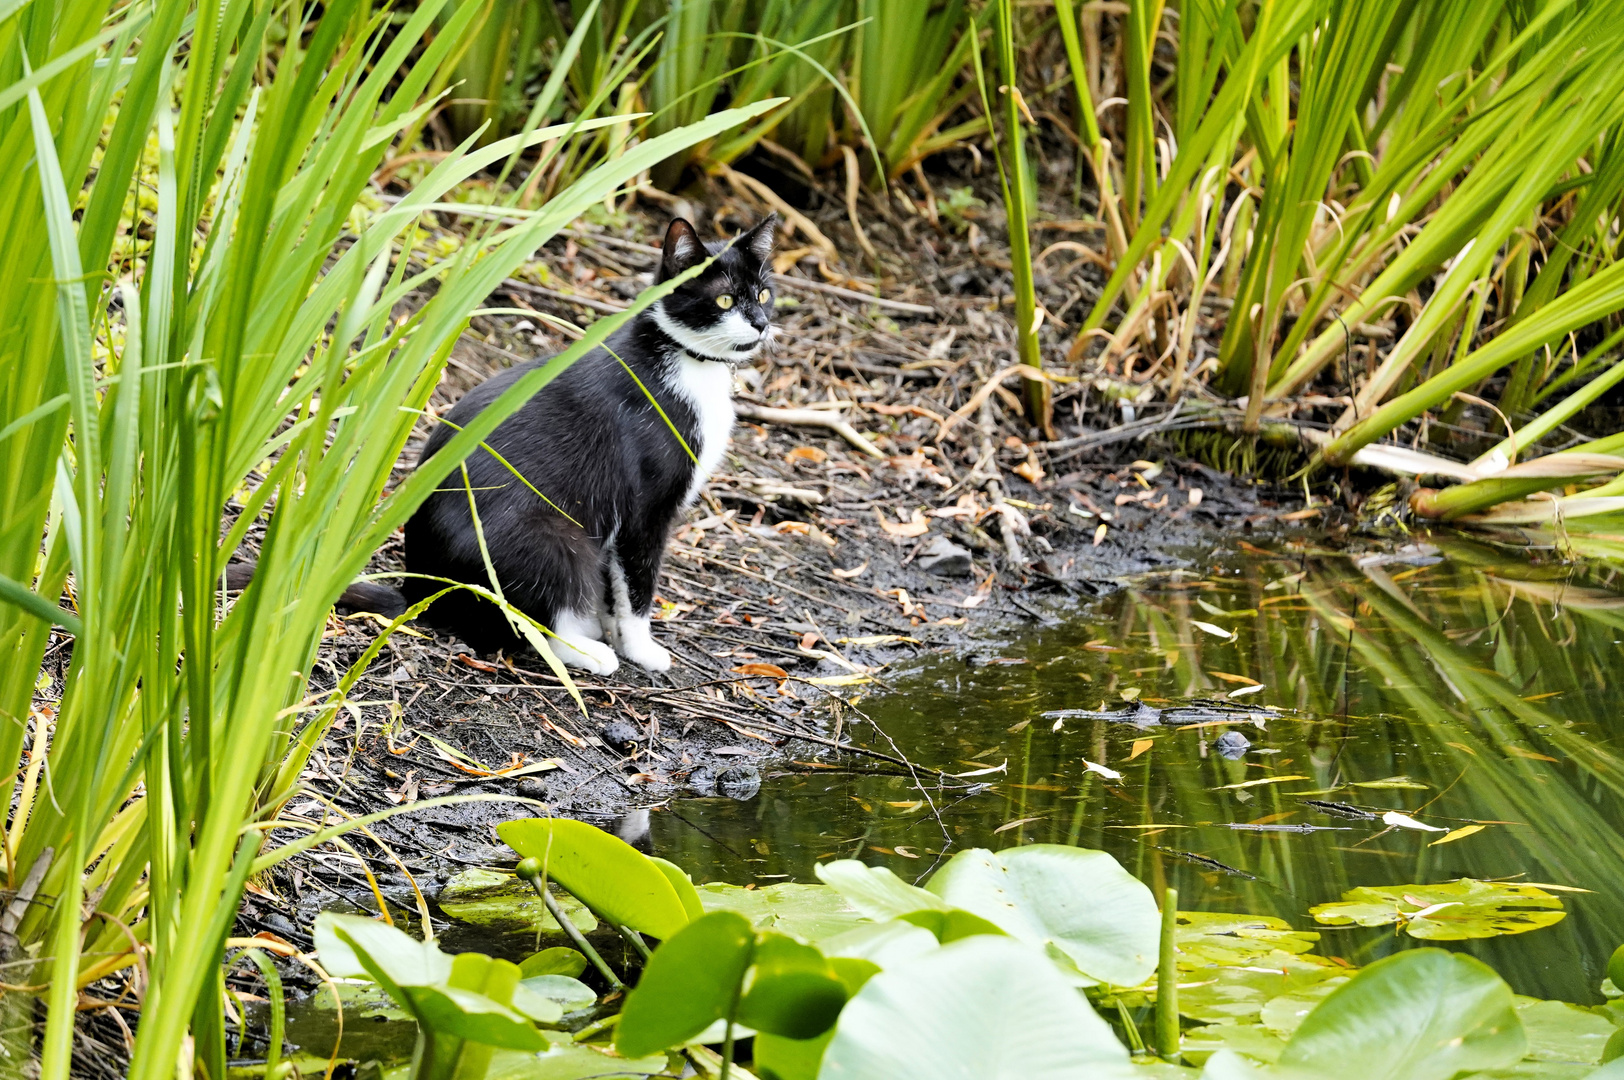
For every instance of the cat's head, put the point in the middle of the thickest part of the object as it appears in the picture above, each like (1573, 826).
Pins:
(726, 312)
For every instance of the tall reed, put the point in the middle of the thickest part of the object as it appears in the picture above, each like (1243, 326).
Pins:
(217, 365)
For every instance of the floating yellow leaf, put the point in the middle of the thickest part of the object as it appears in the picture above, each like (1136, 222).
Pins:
(1520, 752)
(1139, 747)
(1227, 677)
(1458, 834)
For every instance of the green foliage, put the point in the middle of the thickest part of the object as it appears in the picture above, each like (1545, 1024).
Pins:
(463, 1005)
(600, 869)
(692, 981)
(217, 357)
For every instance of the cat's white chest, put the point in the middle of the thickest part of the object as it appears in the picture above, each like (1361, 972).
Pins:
(707, 387)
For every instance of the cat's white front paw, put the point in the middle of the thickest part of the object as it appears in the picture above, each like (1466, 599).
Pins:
(584, 653)
(637, 644)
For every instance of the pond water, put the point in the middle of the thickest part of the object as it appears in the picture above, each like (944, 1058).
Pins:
(1447, 681)
(1263, 714)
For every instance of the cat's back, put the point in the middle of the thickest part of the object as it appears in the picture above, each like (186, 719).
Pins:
(561, 408)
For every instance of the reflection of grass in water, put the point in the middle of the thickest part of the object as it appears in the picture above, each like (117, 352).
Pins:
(1378, 688)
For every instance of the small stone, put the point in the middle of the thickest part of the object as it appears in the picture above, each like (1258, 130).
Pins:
(741, 782)
(1231, 744)
(945, 558)
(532, 787)
(621, 735)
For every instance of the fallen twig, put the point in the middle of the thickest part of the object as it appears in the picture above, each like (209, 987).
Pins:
(807, 418)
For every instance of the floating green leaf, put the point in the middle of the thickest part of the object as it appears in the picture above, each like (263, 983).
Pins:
(691, 982)
(467, 997)
(564, 1060)
(1424, 1014)
(569, 993)
(1080, 901)
(978, 1008)
(558, 960)
(810, 912)
(1558, 1031)
(503, 902)
(1452, 911)
(1211, 937)
(607, 874)
(875, 891)
(884, 943)
(1236, 993)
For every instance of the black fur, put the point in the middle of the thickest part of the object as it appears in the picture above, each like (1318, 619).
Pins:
(594, 445)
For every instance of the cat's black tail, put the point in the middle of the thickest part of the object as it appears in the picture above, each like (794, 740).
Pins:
(385, 600)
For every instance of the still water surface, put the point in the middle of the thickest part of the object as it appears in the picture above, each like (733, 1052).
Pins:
(1448, 681)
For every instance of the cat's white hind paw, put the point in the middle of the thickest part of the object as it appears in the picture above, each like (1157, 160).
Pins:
(584, 653)
(637, 644)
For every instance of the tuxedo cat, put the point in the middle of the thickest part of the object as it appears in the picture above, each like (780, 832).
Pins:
(595, 445)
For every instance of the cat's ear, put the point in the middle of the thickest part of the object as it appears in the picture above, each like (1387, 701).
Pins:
(759, 240)
(682, 250)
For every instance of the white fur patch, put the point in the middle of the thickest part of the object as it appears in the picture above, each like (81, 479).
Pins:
(718, 341)
(576, 644)
(637, 644)
(707, 387)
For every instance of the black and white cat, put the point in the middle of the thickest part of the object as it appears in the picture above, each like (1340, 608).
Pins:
(595, 445)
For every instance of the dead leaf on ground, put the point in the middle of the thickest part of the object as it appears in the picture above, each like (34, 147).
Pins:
(904, 530)
(851, 572)
(810, 454)
(771, 671)
(1030, 471)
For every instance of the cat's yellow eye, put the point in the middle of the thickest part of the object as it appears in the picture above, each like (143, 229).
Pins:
(724, 301)
(765, 296)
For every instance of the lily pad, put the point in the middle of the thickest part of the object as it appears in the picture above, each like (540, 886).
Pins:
(558, 960)
(571, 994)
(1558, 1031)
(503, 902)
(982, 1007)
(1284, 1014)
(1252, 1040)
(1213, 937)
(1452, 911)
(1079, 901)
(1425, 1014)
(884, 943)
(810, 912)
(566, 1060)
(1237, 993)
(875, 891)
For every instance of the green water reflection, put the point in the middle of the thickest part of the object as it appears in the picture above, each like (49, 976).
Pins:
(1472, 689)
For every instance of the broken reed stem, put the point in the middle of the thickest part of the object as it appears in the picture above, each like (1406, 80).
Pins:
(1167, 987)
